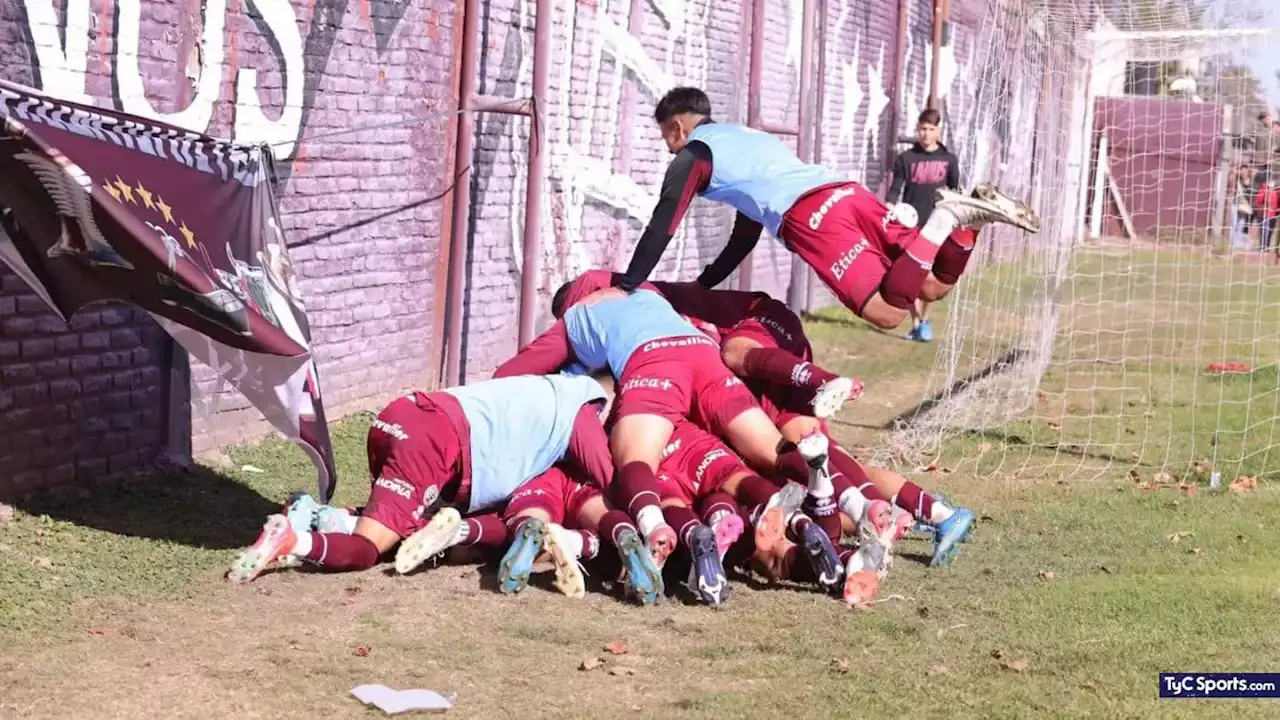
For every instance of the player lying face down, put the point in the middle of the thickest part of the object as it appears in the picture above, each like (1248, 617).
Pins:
(467, 447)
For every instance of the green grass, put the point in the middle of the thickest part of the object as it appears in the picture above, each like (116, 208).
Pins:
(141, 565)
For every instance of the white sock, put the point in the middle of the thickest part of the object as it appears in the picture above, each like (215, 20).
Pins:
(649, 519)
(571, 542)
(303, 544)
(939, 226)
(717, 516)
(940, 513)
(820, 484)
(462, 533)
(852, 503)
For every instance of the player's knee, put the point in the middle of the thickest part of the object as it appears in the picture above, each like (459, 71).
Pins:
(734, 353)
(936, 287)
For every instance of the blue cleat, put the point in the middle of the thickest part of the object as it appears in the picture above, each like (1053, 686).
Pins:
(949, 534)
(924, 333)
(706, 573)
(822, 557)
(301, 509)
(517, 564)
(643, 578)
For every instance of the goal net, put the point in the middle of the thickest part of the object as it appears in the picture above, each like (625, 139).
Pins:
(1138, 329)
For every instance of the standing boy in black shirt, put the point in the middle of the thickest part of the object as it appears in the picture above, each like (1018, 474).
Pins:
(917, 173)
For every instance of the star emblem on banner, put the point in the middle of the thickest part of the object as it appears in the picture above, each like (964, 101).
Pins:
(124, 192)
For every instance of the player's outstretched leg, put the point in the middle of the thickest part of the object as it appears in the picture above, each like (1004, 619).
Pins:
(818, 549)
(443, 532)
(1021, 214)
(527, 535)
(706, 573)
(276, 542)
(642, 576)
(951, 525)
(720, 513)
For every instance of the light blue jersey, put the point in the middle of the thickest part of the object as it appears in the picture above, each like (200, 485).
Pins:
(520, 427)
(606, 333)
(756, 172)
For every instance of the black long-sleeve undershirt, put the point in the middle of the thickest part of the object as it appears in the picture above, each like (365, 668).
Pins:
(743, 239)
(687, 176)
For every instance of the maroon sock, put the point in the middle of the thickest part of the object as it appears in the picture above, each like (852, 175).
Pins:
(952, 258)
(901, 286)
(791, 465)
(845, 554)
(915, 500)
(487, 530)
(636, 488)
(776, 365)
(755, 490)
(513, 524)
(337, 551)
(715, 503)
(613, 523)
(853, 475)
(795, 528)
(590, 544)
(684, 520)
(826, 513)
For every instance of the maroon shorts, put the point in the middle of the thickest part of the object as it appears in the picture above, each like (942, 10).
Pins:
(772, 324)
(561, 495)
(694, 464)
(682, 378)
(840, 231)
(418, 455)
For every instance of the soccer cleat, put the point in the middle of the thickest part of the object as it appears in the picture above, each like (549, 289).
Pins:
(706, 574)
(301, 511)
(569, 579)
(643, 578)
(876, 531)
(330, 519)
(728, 528)
(924, 332)
(517, 564)
(442, 533)
(660, 544)
(976, 212)
(861, 588)
(822, 556)
(771, 526)
(814, 448)
(949, 534)
(903, 523)
(1019, 212)
(833, 394)
(277, 540)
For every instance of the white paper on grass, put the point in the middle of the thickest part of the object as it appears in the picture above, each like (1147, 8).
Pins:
(398, 701)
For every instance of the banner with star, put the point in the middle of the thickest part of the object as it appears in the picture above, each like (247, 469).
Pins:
(97, 205)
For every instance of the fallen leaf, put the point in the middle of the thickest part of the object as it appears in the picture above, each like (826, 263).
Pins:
(362, 651)
(1176, 537)
(1194, 551)
(984, 447)
(1242, 539)
(1054, 425)
(621, 670)
(616, 648)
(922, 611)
(1088, 686)
(1243, 484)
(936, 670)
(997, 653)
(1018, 666)
(591, 662)
(1106, 570)
(42, 562)
(1134, 476)
(99, 631)
(353, 590)
(1048, 575)
(1164, 478)
(839, 665)
(1202, 466)
(947, 471)
(251, 469)
(931, 467)
(1188, 489)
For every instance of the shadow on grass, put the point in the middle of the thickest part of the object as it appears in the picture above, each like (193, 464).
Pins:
(197, 508)
(1001, 364)
(1010, 438)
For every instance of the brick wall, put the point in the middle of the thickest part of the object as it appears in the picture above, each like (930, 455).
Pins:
(81, 400)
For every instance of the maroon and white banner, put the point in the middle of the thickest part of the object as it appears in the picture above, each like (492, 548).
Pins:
(99, 205)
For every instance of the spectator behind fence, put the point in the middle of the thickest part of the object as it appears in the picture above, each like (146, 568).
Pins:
(917, 174)
(1242, 184)
(1266, 205)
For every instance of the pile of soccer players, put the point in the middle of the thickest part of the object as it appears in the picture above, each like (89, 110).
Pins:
(673, 421)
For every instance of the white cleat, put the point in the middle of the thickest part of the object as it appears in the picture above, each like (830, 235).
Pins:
(443, 532)
(814, 448)
(832, 396)
(987, 205)
(569, 575)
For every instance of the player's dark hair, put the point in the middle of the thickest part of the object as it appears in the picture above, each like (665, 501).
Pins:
(558, 301)
(679, 101)
(930, 117)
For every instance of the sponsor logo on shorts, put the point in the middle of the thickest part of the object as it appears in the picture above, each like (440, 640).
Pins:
(690, 341)
(732, 381)
(815, 220)
(431, 495)
(671, 448)
(394, 430)
(593, 545)
(840, 266)
(800, 375)
(527, 492)
(649, 383)
(397, 486)
(773, 325)
(709, 458)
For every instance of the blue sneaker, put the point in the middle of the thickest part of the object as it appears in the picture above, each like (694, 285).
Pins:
(949, 534)
(301, 510)
(643, 578)
(822, 557)
(517, 564)
(914, 335)
(924, 333)
(706, 574)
